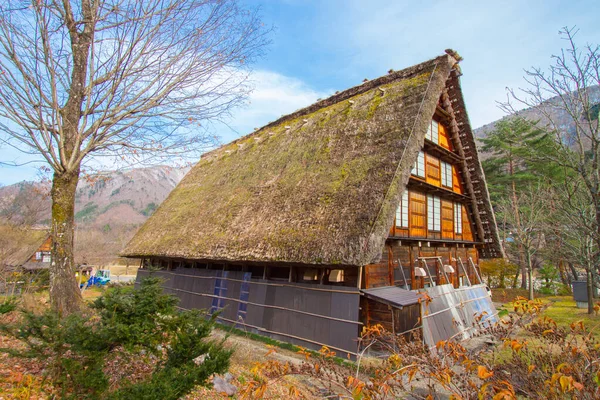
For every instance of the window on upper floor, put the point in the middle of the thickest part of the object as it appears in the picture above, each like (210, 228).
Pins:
(433, 213)
(458, 218)
(402, 211)
(419, 167)
(446, 174)
(433, 132)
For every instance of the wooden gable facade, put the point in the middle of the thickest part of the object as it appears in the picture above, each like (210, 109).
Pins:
(331, 218)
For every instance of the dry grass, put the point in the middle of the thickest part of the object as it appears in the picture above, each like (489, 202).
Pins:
(91, 293)
(119, 270)
(508, 295)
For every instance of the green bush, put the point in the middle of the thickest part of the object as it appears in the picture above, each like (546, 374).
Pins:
(8, 304)
(129, 323)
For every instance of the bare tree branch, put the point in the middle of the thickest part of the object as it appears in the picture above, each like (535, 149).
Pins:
(117, 78)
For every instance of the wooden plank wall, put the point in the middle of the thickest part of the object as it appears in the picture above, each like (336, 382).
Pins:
(444, 137)
(417, 214)
(304, 314)
(405, 319)
(386, 272)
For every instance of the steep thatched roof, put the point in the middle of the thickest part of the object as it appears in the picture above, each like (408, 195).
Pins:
(319, 186)
(18, 244)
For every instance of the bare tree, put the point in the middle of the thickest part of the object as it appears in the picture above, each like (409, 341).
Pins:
(568, 99)
(526, 216)
(574, 220)
(27, 206)
(116, 78)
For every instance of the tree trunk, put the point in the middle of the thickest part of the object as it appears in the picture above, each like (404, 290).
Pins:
(516, 278)
(515, 203)
(573, 271)
(65, 295)
(530, 274)
(564, 276)
(590, 290)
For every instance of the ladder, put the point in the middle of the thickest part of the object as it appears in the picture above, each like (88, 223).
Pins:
(465, 271)
(475, 269)
(437, 259)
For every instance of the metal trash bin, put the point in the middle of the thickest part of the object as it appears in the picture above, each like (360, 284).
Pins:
(580, 293)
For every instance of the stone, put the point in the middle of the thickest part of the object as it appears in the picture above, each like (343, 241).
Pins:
(222, 386)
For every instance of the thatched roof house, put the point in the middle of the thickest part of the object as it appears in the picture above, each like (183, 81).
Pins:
(294, 227)
(24, 248)
(319, 186)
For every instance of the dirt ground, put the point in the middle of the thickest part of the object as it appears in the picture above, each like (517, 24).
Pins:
(247, 353)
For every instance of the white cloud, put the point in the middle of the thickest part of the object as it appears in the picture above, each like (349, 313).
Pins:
(274, 95)
(498, 40)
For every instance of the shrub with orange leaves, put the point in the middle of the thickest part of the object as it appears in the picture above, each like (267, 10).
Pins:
(534, 358)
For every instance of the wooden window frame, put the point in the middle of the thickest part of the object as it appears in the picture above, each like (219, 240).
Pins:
(447, 177)
(458, 218)
(433, 132)
(434, 213)
(419, 167)
(402, 212)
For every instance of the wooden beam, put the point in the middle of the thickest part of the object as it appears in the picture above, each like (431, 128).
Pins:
(454, 134)
(360, 272)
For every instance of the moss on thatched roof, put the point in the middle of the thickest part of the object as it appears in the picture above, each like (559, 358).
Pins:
(319, 186)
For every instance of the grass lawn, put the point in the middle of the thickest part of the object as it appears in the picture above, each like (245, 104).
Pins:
(564, 311)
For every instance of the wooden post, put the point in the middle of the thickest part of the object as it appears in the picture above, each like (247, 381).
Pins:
(413, 284)
(393, 319)
(360, 271)
(390, 266)
(465, 169)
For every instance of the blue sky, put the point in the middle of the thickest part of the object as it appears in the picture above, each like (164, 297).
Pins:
(319, 47)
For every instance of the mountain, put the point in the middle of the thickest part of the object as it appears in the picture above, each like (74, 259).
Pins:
(109, 207)
(125, 197)
(559, 115)
(115, 197)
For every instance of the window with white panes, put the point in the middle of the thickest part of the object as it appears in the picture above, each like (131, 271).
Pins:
(457, 218)
(433, 132)
(433, 213)
(446, 174)
(419, 167)
(402, 212)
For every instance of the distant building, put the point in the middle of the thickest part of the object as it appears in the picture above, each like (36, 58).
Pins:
(329, 219)
(30, 250)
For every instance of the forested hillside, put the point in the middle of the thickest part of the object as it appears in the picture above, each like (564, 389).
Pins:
(558, 114)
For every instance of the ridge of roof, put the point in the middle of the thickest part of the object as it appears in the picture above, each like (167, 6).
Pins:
(343, 95)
